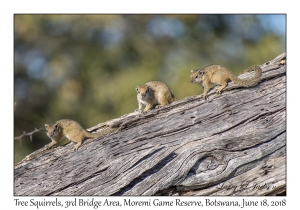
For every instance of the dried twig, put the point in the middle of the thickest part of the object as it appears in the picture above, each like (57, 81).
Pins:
(28, 134)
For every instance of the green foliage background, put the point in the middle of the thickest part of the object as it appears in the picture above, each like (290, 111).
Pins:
(86, 67)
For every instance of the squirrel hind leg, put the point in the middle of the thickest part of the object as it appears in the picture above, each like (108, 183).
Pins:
(165, 98)
(219, 89)
(77, 140)
(75, 148)
(163, 101)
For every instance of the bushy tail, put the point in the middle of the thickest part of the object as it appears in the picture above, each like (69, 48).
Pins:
(102, 132)
(252, 81)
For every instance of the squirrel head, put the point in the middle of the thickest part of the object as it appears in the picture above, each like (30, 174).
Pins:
(52, 130)
(196, 76)
(143, 90)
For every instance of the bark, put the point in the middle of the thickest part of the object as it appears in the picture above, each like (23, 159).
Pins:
(234, 144)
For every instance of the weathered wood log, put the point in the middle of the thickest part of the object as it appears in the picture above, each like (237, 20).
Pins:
(234, 144)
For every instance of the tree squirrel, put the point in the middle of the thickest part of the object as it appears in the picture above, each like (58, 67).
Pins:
(70, 129)
(221, 76)
(154, 94)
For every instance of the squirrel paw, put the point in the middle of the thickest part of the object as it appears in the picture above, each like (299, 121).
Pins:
(141, 111)
(219, 90)
(75, 148)
(48, 146)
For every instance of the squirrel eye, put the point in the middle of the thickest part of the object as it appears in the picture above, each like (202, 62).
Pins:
(196, 76)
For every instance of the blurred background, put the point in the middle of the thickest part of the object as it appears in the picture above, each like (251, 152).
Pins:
(86, 67)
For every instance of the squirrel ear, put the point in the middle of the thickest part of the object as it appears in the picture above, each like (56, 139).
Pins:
(192, 71)
(136, 88)
(200, 72)
(46, 125)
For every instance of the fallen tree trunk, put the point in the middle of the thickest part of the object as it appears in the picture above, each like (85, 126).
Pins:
(235, 144)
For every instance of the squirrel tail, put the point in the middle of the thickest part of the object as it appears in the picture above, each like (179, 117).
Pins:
(249, 82)
(102, 132)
